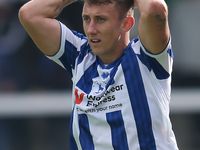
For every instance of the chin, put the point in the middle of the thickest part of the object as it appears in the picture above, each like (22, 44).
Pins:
(97, 52)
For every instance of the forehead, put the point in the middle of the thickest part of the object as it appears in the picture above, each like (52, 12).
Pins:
(99, 9)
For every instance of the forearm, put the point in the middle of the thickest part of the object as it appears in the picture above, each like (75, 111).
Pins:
(44, 8)
(37, 17)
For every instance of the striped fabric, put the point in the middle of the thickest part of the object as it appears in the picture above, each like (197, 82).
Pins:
(121, 106)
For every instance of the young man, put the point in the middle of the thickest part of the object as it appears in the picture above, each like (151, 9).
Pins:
(121, 88)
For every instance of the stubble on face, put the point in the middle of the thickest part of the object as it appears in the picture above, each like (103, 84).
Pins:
(104, 36)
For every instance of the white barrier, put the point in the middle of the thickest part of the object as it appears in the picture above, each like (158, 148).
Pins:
(185, 101)
(35, 104)
(60, 104)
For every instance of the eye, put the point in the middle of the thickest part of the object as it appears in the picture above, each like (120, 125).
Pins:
(86, 19)
(101, 19)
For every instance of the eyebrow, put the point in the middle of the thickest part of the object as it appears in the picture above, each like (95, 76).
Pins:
(96, 16)
(84, 15)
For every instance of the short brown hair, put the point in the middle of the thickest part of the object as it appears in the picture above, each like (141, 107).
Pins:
(124, 5)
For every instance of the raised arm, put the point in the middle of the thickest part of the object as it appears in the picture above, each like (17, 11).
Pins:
(37, 17)
(153, 25)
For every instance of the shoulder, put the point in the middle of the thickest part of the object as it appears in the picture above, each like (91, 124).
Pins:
(137, 46)
(159, 63)
(68, 33)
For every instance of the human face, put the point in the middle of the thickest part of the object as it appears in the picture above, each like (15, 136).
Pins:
(103, 28)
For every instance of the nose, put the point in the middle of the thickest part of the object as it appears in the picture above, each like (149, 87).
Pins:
(92, 27)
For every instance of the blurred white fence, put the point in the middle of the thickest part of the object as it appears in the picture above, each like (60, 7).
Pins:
(35, 104)
(185, 101)
(59, 103)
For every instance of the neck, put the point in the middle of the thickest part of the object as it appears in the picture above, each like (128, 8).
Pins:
(123, 43)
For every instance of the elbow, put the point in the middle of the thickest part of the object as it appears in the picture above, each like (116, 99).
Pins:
(158, 8)
(27, 15)
(155, 8)
(23, 14)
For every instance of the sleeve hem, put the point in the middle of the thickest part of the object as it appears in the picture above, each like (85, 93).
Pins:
(155, 55)
(60, 51)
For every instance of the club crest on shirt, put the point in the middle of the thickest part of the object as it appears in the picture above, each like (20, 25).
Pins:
(99, 83)
(98, 87)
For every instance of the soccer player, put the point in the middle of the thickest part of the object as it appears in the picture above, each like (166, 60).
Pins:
(121, 87)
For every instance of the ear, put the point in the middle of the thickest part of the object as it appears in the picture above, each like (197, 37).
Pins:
(128, 24)
(135, 4)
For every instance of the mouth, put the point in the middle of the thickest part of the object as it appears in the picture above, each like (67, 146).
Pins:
(95, 41)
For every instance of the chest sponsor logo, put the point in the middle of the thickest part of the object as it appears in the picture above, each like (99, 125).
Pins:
(94, 100)
(79, 98)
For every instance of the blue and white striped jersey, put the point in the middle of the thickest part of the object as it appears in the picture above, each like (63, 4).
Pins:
(121, 106)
